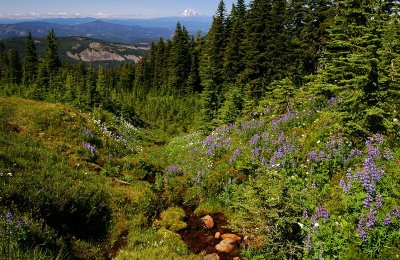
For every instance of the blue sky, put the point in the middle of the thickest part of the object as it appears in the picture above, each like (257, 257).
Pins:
(105, 8)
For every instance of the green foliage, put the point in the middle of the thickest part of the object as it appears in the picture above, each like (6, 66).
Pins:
(151, 244)
(172, 219)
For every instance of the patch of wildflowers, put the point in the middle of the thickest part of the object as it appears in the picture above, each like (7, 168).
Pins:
(89, 148)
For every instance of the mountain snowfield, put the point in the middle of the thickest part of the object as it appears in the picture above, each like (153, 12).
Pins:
(189, 12)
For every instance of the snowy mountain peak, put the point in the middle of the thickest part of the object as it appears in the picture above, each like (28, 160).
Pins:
(189, 12)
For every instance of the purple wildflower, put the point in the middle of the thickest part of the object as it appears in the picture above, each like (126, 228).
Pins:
(379, 138)
(321, 156)
(320, 213)
(9, 217)
(254, 140)
(388, 155)
(367, 201)
(371, 219)
(360, 228)
(387, 220)
(308, 242)
(172, 168)
(343, 186)
(90, 148)
(332, 100)
(378, 201)
(313, 156)
(234, 156)
(305, 213)
(396, 212)
(255, 153)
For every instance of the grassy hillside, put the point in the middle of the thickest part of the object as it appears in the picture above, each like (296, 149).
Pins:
(93, 51)
(289, 184)
(71, 183)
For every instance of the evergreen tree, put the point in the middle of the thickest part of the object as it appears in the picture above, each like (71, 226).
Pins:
(179, 60)
(51, 55)
(160, 64)
(351, 66)
(234, 52)
(3, 62)
(389, 69)
(103, 89)
(194, 80)
(212, 66)
(30, 61)
(15, 67)
(42, 82)
(256, 39)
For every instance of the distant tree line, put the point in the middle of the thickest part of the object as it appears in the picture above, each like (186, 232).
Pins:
(272, 48)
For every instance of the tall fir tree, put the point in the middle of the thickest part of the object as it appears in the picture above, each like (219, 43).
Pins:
(15, 67)
(350, 63)
(212, 65)
(235, 52)
(51, 53)
(179, 60)
(3, 62)
(30, 61)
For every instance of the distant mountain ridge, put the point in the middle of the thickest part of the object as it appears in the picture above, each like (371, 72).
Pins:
(93, 51)
(95, 29)
(119, 30)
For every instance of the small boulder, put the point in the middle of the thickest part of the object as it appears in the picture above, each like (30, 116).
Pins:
(226, 246)
(233, 236)
(208, 221)
(214, 256)
(217, 234)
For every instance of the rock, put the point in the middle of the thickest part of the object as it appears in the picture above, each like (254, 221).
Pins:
(208, 221)
(236, 258)
(226, 246)
(214, 256)
(217, 234)
(233, 236)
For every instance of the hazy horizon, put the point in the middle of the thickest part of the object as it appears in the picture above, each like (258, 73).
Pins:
(28, 9)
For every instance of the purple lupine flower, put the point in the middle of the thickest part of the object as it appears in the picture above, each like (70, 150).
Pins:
(355, 153)
(305, 213)
(320, 213)
(368, 184)
(90, 148)
(208, 140)
(254, 140)
(20, 223)
(396, 212)
(313, 156)
(234, 156)
(378, 201)
(387, 220)
(367, 201)
(9, 217)
(379, 138)
(332, 100)
(172, 168)
(388, 155)
(255, 153)
(371, 219)
(358, 175)
(321, 156)
(343, 186)
(360, 228)
(264, 162)
(281, 137)
(308, 242)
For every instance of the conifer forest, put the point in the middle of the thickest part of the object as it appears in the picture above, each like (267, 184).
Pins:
(275, 135)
